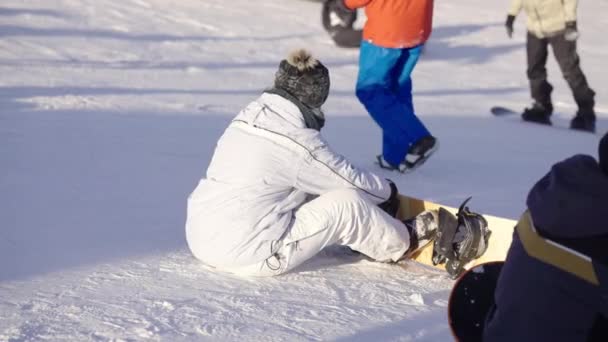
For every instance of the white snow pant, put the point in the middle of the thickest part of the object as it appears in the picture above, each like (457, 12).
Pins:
(341, 217)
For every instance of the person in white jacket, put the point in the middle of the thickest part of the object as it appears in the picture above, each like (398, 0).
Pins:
(275, 194)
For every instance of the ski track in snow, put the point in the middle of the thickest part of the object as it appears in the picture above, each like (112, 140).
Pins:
(109, 113)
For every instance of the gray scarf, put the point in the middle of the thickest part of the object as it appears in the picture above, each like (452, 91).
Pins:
(313, 117)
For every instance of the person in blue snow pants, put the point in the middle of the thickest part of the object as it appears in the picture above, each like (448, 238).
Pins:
(384, 87)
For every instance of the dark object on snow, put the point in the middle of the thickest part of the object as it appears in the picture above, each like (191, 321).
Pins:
(471, 300)
(338, 21)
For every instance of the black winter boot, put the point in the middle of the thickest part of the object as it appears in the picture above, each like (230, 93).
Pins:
(583, 121)
(420, 151)
(538, 113)
(585, 116)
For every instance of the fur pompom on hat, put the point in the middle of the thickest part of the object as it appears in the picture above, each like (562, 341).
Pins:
(304, 77)
(603, 153)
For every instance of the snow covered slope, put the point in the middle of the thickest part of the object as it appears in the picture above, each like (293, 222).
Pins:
(109, 113)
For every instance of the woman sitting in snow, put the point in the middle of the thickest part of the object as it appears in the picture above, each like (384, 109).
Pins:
(275, 194)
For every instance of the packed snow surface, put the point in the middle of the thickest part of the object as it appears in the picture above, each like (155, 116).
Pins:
(109, 114)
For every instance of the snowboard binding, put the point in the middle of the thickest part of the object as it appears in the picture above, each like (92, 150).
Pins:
(460, 239)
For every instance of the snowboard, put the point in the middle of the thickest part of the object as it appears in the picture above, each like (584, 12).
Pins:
(498, 244)
(471, 298)
(501, 111)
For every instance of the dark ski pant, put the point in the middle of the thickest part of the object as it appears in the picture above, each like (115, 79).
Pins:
(569, 63)
(538, 302)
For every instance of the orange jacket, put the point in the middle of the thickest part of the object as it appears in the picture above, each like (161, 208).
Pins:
(396, 23)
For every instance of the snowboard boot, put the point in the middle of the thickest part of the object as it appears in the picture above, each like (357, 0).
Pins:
(422, 229)
(585, 117)
(538, 113)
(461, 238)
(419, 152)
(583, 122)
(388, 166)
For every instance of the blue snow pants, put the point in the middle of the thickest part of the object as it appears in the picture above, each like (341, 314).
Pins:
(384, 87)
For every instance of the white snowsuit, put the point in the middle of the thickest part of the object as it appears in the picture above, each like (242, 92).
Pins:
(275, 195)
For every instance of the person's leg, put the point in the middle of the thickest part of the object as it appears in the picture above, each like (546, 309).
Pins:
(375, 91)
(403, 88)
(347, 218)
(540, 88)
(569, 63)
(341, 217)
(388, 146)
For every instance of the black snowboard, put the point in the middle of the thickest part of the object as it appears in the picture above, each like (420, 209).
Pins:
(500, 111)
(471, 299)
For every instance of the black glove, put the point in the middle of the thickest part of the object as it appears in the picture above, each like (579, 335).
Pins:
(571, 33)
(391, 205)
(509, 25)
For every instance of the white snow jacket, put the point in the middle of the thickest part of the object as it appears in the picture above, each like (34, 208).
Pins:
(545, 17)
(265, 165)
